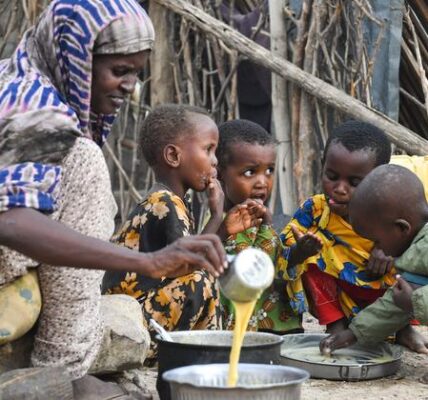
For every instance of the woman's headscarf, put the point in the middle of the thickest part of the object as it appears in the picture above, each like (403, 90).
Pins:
(45, 92)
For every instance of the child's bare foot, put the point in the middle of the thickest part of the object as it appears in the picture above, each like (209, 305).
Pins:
(336, 341)
(337, 326)
(412, 339)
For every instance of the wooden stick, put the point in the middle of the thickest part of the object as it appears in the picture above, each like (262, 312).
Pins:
(284, 182)
(134, 192)
(403, 137)
(420, 67)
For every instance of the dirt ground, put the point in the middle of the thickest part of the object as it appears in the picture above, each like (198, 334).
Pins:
(410, 382)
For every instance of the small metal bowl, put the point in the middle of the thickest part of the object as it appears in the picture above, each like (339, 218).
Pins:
(255, 382)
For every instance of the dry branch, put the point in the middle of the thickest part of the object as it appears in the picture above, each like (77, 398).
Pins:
(328, 94)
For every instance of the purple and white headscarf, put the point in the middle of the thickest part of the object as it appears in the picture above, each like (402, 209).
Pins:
(45, 92)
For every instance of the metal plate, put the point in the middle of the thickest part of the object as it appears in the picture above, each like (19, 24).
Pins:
(353, 363)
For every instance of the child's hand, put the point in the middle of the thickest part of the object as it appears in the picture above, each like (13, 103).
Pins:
(267, 218)
(215, 198)
(379, 264)
(256, 208)
(402, 295)
(243, 216)
(337, 341)
(307, 245)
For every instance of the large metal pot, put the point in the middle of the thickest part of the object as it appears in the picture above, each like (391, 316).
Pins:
(207, 347)
(255, 382)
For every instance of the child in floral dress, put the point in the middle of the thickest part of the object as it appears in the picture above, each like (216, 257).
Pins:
(179, 143)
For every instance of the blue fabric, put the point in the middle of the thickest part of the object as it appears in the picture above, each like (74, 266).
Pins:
(304, 214)
(30, 185)
(415, 278)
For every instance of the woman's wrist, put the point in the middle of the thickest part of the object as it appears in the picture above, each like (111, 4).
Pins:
(148, 265)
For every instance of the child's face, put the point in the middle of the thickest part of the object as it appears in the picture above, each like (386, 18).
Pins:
(385, 233)
(342, 172)
(250, 172)
(199, 162)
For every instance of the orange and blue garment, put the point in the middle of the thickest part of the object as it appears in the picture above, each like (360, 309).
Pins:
(344, 255)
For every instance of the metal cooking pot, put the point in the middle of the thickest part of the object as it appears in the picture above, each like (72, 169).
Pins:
(207, 347)
(255, 382)
(354, 363)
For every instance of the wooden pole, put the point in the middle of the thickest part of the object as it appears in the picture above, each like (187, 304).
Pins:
(401, 136)
(161, 73)
(281, 124)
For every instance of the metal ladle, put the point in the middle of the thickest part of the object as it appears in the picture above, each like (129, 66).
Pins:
(162, 332)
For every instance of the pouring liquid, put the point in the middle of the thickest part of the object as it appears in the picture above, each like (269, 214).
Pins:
(243, 312)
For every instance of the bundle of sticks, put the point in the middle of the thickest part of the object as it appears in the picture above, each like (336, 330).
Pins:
(414, 68)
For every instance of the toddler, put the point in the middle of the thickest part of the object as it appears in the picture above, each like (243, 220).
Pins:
(246, 167)
(323, 257)
(389, 208)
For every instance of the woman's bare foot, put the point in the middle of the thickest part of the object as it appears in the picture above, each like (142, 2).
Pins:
(337, 326)
(412, 339)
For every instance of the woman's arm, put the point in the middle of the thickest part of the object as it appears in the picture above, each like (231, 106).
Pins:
(37, 236)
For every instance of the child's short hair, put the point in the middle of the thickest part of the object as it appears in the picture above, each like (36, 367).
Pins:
(391, 187)
(239, 131)
(356, 135)
(164, 125)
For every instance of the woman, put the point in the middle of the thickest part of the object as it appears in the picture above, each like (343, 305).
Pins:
(59, 94)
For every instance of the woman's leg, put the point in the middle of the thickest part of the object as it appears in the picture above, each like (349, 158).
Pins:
(70, 328)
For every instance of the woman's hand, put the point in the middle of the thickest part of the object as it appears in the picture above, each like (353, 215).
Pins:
(379, 264)
(307, 245)
(187, 254)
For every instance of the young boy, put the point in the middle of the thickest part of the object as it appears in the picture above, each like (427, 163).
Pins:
(246, 166)
(389, 208)
(339, 271)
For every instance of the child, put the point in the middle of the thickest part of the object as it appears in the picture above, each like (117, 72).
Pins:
(179, 143)
(246, 156)
(389, 208)
(324, 258)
